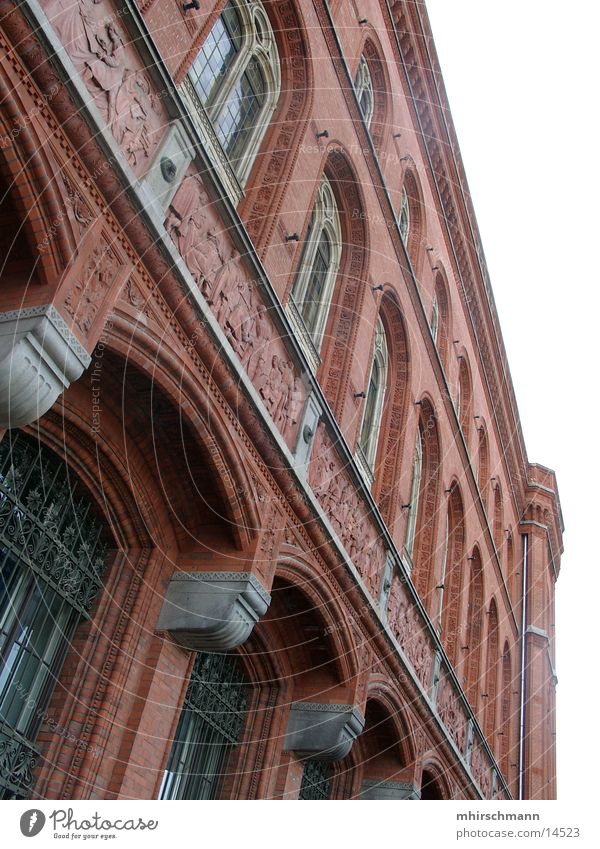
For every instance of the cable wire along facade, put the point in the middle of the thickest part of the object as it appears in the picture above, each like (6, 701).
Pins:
(268, 527)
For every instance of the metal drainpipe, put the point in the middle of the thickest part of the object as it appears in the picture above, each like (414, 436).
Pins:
(523, 661)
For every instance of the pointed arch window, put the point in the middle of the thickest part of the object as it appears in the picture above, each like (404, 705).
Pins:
(404, 217)
(483, 469)
(210, 726)
(434, 324)
(443, 570)
(51, 561)
(497, 529)
(373, 405)
(363, 86)
(506, 711)
(313, 287)
(463, 401)
(415, 492)
(235, 82)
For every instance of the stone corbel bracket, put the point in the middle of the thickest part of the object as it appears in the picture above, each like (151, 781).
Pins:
(389, 790)
(321, 731)
(212, 611)
(39, 359)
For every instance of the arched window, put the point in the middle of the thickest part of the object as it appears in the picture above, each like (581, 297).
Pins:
(498, 519)
(210, 725)
(440, 320)
(511, 574)
(415, 492)
(434, 324)
(506, 717)
(51, 562)
(373, 406)
(453, 578)
(363, 86)
(463, 403)
(483, 470)
(443, 570)
(491, 677)
(236, 80)
(313, 286)
(404, 217)
(474, 630)
(423, 514)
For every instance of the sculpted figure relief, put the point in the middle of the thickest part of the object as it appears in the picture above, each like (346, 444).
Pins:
(481, 771)
(88, 293)
(451, 714)
(276, 387)
(122, 93)
(194, 231)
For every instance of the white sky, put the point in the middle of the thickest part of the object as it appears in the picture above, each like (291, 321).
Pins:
(522, 79)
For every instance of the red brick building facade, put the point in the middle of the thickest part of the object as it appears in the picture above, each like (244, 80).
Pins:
(267, 521)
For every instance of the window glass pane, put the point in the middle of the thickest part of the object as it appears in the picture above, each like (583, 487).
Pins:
(210, 725)
(241, 111)
(414, 494)
(313, 299)
(45, 625)
(51, 561)
(364, 90)
(212, 63)
(404, 218)
(370, 407)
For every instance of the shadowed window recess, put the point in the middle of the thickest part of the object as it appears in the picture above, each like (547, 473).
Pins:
(211, 722)
(52, 557)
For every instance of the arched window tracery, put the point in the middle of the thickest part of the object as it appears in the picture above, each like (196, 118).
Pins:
(415, 492)
(374, 402)
(404, 217)
(235, 81)
(363, 86)
(312, 291)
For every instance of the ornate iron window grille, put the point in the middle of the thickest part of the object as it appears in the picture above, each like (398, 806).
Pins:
(210, 725)
(51, 559)
(316, 780)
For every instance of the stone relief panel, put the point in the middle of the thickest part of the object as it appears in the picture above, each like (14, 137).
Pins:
(452, 713)
(235, 299)
(407, 626)
(99, 274)
(112, 72)
(271, 536)
(480, 768)
(346, 511)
